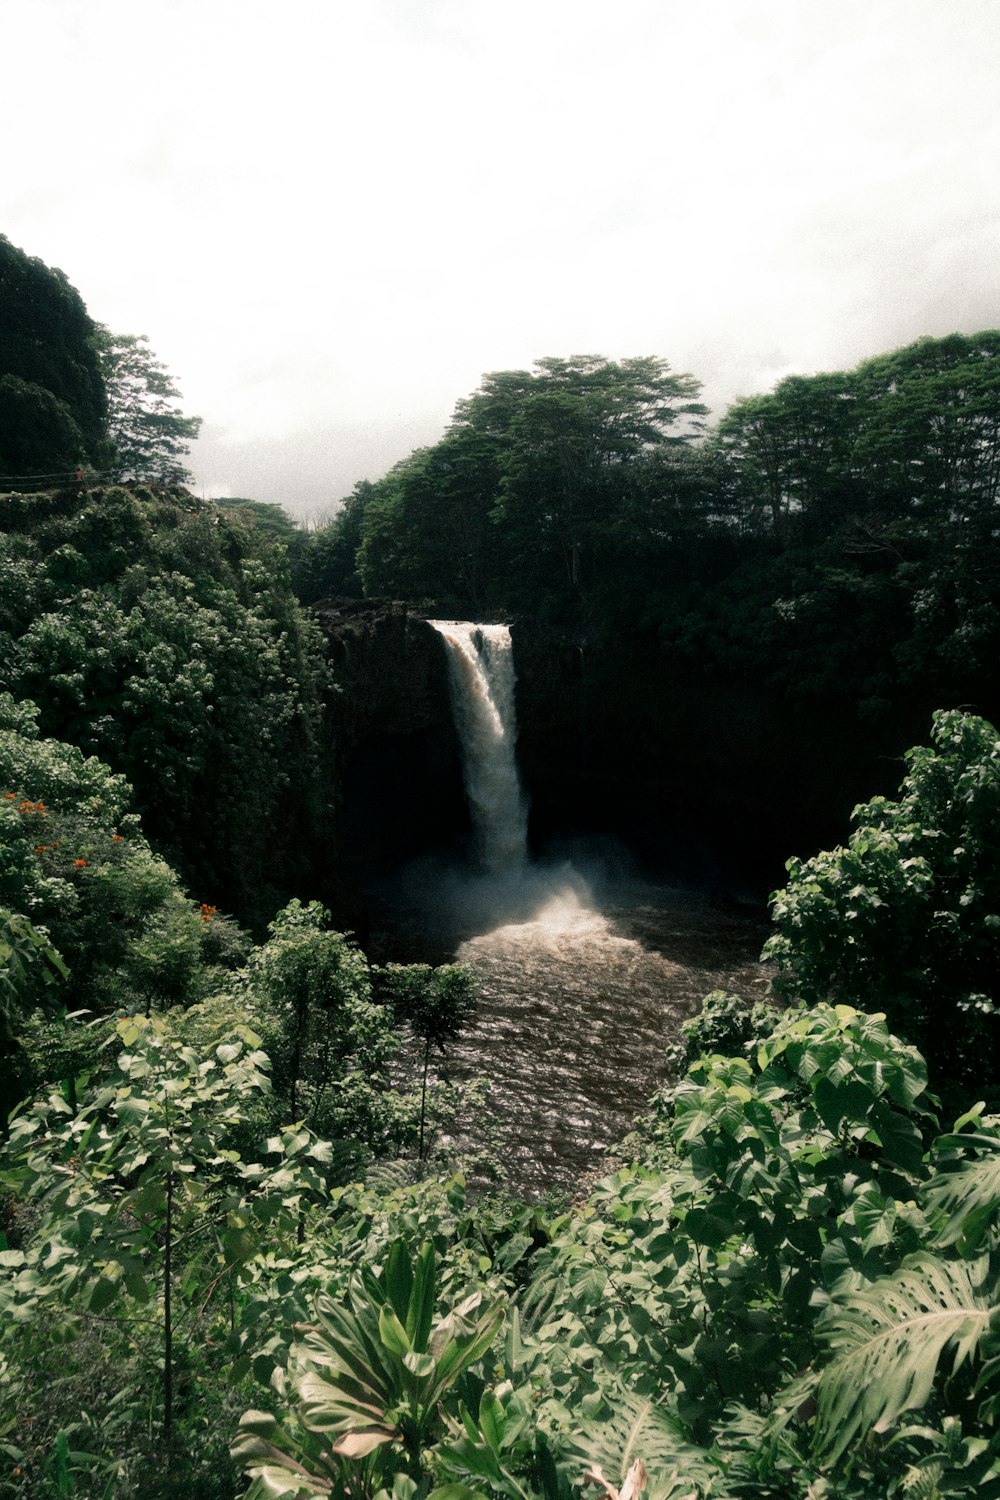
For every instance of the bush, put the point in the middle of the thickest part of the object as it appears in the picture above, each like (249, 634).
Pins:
(905, 918)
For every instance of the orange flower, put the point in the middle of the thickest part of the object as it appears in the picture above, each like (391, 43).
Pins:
(11, 796)
(78, 864)
(116, 838)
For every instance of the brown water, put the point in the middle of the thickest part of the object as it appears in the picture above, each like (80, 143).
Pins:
(582, 988)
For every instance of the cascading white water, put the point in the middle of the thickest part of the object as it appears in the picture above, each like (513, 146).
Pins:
(481, 674)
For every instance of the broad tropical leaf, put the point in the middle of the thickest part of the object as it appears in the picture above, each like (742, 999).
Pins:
(640, 1428)
(888, 1342)
(969, 1195)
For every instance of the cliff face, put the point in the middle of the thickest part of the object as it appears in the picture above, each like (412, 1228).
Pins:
(396, 772)
(712, 779)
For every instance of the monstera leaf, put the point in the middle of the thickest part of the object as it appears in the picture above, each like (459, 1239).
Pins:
(889, 1341)
(641, 1448)
(967, 1193)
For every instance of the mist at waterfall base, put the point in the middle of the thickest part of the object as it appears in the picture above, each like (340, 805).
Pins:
(585, 968)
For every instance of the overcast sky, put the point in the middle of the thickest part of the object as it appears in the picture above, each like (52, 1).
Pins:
(331, 219)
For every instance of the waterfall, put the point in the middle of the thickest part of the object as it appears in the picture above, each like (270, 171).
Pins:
(481, 677)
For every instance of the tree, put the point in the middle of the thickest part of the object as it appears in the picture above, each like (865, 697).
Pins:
(435, 1003)
(139, 1199)
(158, 634)
(29, 965)
(39, 433)
(310, 996)
(325, 561)
(569, 434)
(151, 437)
(540, 477)
(909, 437)
(426, 529)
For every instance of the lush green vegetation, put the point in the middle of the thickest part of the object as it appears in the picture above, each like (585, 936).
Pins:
(787, 1287)
(904, 919)
(235, 1257)
(156, 1150)
(832, 542)
(53, 403)
(149, 438)
(73, 394)
(163, 637)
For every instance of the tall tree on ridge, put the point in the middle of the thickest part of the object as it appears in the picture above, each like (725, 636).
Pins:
(151, 436)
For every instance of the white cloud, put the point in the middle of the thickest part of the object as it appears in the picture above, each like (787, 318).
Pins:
(332, 218)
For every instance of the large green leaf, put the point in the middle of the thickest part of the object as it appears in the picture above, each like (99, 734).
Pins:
(420, 1310)
(637, 1427)
(967, 1197)
(888, 1341)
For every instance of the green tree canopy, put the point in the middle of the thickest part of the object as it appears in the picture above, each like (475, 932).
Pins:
(540, 475)
(155, 633)
(53, 409)
(907, 442)
(40, 435)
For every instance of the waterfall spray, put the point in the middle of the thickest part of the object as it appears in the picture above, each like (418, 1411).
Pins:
(481, 677)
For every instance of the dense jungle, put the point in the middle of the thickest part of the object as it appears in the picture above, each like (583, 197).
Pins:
(245, 1245)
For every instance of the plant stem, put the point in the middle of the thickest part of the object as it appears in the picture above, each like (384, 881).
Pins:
(168, 1332)
(423, 1095)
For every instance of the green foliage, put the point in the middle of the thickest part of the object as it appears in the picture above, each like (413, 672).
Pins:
(165, 639)
(324, 563)
(52, 400)
(73, 859)
(790, 1290)
(424, 531)
(780, 1219)
(140, 1220)
(726, 1024)
(40, 435)
(906, 917)
(912, 434)
(368, 1380)
(793, 1292)
(540, 478)
(888, 1341)
(93, 920)
(309, 993)
(435, 1004)
(29, 965)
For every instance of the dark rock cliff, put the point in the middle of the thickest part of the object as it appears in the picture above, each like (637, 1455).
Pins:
(396, 770)
(711, 779)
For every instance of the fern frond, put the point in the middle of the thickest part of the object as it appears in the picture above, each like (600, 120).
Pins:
(887, 1342)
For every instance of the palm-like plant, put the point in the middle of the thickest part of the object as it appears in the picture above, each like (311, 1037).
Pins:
(368, 1377)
